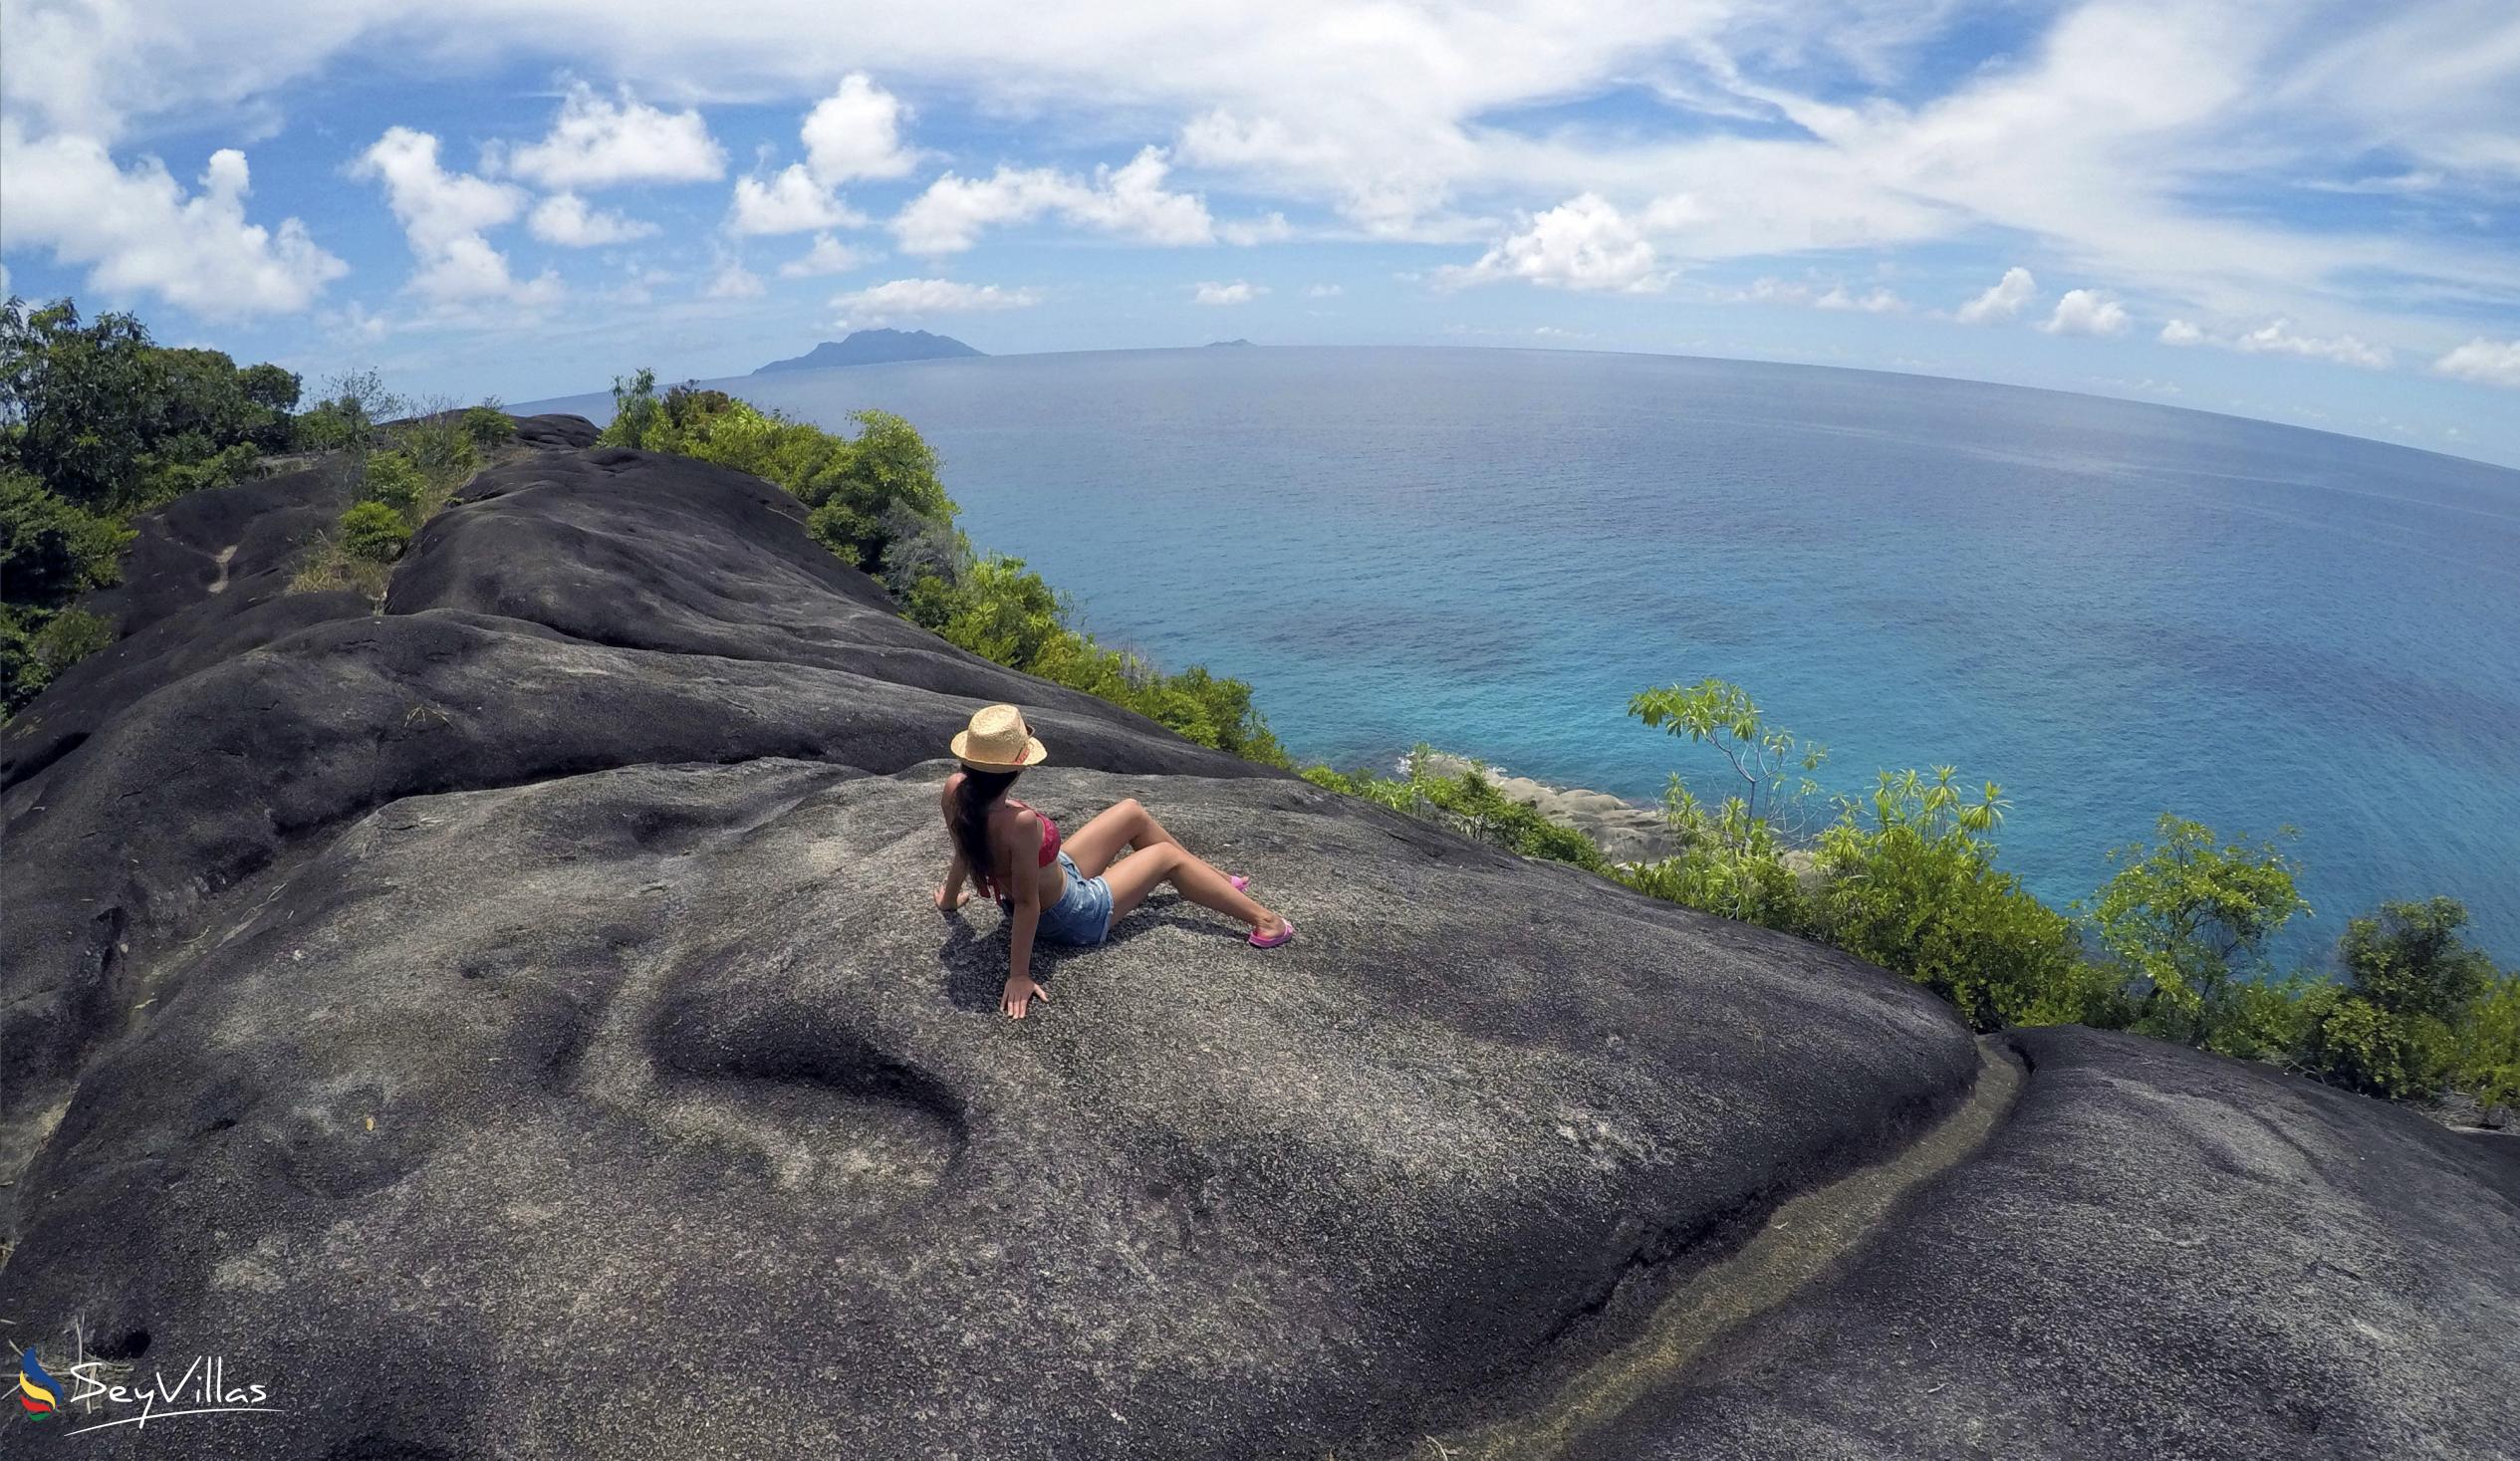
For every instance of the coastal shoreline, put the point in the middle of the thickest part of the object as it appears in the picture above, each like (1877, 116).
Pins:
(1625, 831)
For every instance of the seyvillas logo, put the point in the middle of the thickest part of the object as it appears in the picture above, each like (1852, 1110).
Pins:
(100, 1390)
(37, 1391)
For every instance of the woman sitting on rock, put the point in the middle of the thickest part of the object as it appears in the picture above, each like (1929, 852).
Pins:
(1012, 852)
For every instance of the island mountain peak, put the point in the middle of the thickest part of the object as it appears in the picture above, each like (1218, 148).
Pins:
(875, 347)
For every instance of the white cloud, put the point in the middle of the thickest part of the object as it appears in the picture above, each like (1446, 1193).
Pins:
(1130, 201)
(1236, 292)
(1879, 301)
(597, 143)
(790, 202)
(854, 132)
(2087, 312)
(1583, 243)
(828, 256)
(565, 219)
(1246, 233)
(137, 231)
(2003, 300)
(1325, 291)
(2420, 182)
(733, 281)
(2277, 337)
(445, 217)
(2493, 361)
(903, 299)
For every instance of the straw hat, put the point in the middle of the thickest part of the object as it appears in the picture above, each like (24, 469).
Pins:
(998, 739)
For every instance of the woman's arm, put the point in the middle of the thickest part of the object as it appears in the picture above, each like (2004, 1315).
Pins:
(1021, 989)
(953, 894)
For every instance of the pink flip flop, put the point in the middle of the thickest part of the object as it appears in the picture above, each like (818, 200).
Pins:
(1239, 882)
(1269, 943)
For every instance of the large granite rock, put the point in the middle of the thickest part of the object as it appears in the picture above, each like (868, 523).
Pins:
(511, 1021)
(2160, 1254)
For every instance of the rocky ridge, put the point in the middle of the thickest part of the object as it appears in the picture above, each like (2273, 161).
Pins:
(526, 988)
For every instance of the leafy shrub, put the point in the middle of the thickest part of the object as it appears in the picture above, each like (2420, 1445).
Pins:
(876, 502)
(375, 532)
(2187, 918)
(440, 446)
(1768, 761)
(489, 426)
(2486, 1060)
(110, 421)
(329, 426)
(1909, 881)
(1469, 802)
(2409, 977)
(36, 646)
(50, 549)
(396, 481)
(1729, 862)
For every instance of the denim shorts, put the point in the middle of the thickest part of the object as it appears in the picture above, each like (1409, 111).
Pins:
(1083, 913)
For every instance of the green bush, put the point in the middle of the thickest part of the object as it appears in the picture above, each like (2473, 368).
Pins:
(395, 480)
(36, 646)
(2188, 918)
(52, 549)
(2410, 976)
(110, 421)
(1729, 862)
(2486, 1060)
(1909, 881)
(375, 532)
(1469, 802)
(489, 426)
(876, 502)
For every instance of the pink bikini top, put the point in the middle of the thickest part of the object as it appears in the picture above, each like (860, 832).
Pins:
(1049, 833)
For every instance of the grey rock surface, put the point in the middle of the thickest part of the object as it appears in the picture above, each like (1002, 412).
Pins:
(2162, 1254)
(514, 1024)
(511, 1021)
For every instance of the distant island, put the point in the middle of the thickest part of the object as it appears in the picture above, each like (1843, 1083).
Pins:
(876, 348)
(1230, 343)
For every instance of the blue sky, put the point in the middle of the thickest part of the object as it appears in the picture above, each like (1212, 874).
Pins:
(2302, 211)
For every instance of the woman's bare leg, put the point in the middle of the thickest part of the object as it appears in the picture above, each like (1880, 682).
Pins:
(1099, 843)
(1137, 875)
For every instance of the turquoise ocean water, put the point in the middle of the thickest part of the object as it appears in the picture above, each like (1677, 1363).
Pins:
(2110, 607)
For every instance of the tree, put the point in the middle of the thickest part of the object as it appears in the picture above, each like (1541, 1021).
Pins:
(2487, 1059)
(81, 403)
(1909, 881)
(50, 549)
(1768, 761)
(2409, 978)
(111, 423)
(2185, 917)
(375, 532)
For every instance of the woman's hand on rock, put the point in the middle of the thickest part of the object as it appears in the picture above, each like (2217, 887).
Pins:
(961, 898)
(1021, 990)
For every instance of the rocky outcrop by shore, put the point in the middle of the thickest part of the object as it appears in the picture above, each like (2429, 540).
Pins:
(513, 1023)
(1623, 830)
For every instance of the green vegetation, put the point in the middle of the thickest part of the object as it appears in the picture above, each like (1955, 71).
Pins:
(2173, 945)
(2186, 919)
(876, 502)
(1469, 803)
(98, 424)
(376, 532)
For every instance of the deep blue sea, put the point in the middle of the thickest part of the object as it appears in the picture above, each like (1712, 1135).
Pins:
(2112, 608)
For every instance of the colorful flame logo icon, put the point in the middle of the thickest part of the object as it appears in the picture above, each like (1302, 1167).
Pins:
(37, 1391)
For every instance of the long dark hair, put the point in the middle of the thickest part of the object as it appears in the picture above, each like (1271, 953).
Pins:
(970, 820)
